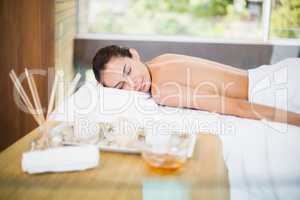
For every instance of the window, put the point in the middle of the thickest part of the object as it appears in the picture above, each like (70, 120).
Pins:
(285, 19)
(228, 19)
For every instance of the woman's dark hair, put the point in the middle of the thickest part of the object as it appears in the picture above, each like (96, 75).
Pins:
(104, 55)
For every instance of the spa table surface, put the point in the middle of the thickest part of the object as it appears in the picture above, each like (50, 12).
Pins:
(119, 176)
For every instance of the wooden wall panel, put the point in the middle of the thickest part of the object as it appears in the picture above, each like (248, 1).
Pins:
(10, 115)
(65, 30)
(27, 40)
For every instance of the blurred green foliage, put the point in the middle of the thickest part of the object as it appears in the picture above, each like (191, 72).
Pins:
(204, 18)
(211, 8)
(285, 19)
(197, 8)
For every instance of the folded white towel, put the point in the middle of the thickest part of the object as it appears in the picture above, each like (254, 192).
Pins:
(61, 159)
(276, 85)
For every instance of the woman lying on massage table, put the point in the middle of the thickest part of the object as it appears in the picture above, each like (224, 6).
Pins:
(184, 81)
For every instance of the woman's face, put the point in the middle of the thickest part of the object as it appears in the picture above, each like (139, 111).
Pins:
(126, 73)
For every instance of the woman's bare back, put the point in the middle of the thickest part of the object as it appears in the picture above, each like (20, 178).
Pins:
(204, 76)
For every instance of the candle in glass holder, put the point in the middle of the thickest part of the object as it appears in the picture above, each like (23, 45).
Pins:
(161, 153)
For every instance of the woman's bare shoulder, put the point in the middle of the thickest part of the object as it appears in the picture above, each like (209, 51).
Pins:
(171, 56)
(166, 57)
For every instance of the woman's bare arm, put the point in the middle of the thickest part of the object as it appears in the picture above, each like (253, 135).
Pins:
(176, 95)
(255, 111)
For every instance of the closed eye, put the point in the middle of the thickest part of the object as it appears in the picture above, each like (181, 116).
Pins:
(120, 85)
(128, 71)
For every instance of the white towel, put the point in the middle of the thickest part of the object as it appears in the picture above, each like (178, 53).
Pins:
(61, 159)
(262, 162)
(276, 85)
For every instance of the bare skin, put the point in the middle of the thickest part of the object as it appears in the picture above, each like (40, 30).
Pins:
(190, 82)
